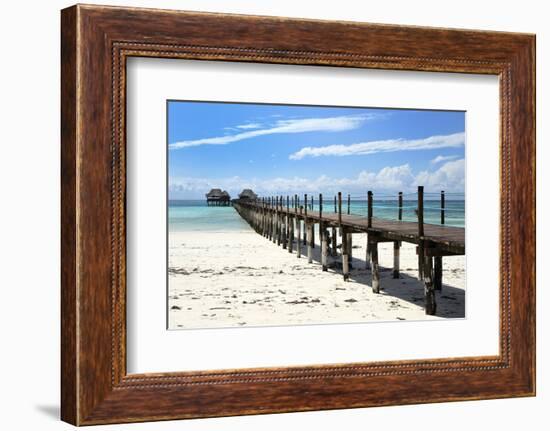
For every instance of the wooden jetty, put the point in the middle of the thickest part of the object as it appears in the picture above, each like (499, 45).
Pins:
(281, 219)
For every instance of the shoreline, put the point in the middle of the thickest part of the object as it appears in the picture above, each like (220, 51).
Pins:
(241, 279)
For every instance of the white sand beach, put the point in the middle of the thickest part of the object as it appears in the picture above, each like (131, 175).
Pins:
(236, 279)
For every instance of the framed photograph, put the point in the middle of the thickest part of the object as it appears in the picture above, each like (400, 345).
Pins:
(264, 214)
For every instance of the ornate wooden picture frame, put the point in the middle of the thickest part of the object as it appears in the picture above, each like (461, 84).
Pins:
(96, 41)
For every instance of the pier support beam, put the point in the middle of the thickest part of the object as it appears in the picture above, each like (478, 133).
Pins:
(334, 248)
(323, 235)
(350, 250)
(375, 272)
(345, 256)
(309, 229)
(284, 229)
(396, 251)
(367, 255)
(438, 272)
(299, 236)
(290, 228)
(278, 227)
(429, 290)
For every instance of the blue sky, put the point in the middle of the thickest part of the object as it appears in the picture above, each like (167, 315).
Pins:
(291, 148)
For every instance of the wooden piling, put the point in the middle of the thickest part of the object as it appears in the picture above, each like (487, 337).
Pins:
(345, 256)
(397, 244)
(349, 203)
(298, 235)
(396, 253)
(438, 272)
(278, 220)
(367, 254)
(305, 219)
(284, 222)
(288, 225)
(420, 215)
(429, 290)
(334, 248)
(312, 226)
(350, 249)
(324, 246)
(375, 272)
(309, 229)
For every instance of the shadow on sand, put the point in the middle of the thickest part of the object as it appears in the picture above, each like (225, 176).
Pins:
(450, 300)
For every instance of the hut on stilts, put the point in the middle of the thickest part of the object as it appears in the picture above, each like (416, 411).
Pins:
(248, 194)
(217, 197)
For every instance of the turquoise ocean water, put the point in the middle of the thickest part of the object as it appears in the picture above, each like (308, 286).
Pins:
(195, 215)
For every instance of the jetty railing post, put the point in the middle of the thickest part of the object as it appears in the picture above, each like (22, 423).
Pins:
(442, 206)
(284, 224)
(278, 201)
(334, 247)
(312, 221)
(349, 239)
(400, 202)
(369, 209)
(420, 215)
(278, 220)
(397, 244)
(274, 220)
(438, 260)
(268, 217)
(340, 210)
(273, 213)
(305, 219)
(322, 235)
(262, 216)
(288, 225)
(295, 219)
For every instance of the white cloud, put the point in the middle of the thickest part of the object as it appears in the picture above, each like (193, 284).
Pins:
(440, 159)
(449, 177)
(389, 145)
(330, 124)
(249, 126)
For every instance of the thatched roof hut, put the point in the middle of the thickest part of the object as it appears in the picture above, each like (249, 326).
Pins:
(248, 194)
(214, 193)
(217, 197)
